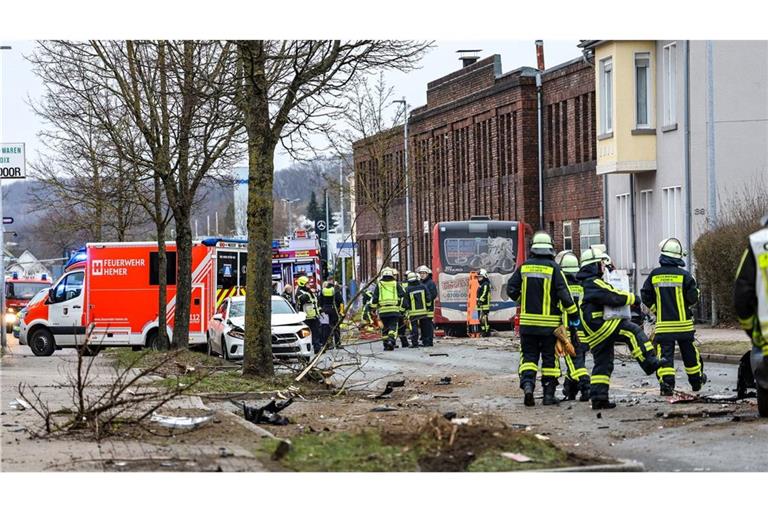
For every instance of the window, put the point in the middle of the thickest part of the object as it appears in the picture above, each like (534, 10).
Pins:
(568, 236)
(170, 268)
(623, 231)
(670, 79)
(671, 210)
(589, 233)
(642, 90)
(69, 287)
(645, 236)
(606, 96)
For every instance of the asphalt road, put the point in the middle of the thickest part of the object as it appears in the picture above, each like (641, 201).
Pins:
(729, 437)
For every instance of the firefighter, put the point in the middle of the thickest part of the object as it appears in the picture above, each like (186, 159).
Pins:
(288, 294)
(750, 299)
(388, 299)
(601, 334)
(669, 292)
(577, 378)
(366, 303)
(425, 274)
(306, 301)
(540, 287)
(332, 304)
(484, 302)
(417, 311)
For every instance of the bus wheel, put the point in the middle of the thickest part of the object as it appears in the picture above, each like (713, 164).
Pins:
(42, 343)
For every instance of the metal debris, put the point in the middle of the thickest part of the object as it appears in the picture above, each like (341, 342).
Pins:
(449, 415)
(541, 437)
(20, 405)
(391, 385)
(267, 413)
(282, 449)
(517, 457)
(183, 422)
(445, 381)
(460, 421)
(436, 354)
(383, 408)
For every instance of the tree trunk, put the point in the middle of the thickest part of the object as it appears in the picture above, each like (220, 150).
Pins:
(162, 265)
(183, 280)
(261, 147)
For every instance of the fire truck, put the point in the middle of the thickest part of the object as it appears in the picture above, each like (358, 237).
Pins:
(18, 292)
(113, 289)
(294, 257)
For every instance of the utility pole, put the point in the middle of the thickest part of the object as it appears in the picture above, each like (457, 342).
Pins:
(3, 340)
(327, 233)
(408, 240)
(341, 230)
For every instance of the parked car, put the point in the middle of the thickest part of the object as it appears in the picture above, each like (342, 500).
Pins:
(291, 338)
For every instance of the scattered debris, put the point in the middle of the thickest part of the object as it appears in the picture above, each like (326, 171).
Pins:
(445, 397)
(449, 415)
(483, 348)
(541, 437)
(282, 449)
(517, 457)
(186, 369)
(460, 421)
(268, 413)
(391, 385)
(436, 354)
(168, 464)
(599, 415)
(15, 428)
(20, 405)
(224, 453)
(445, 381)
(711, 413)
(120, 463)
(183, 422)
(383, 408)
(603, 426)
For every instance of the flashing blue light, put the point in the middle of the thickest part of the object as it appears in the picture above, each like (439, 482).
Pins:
(211, 242)
(77, 257)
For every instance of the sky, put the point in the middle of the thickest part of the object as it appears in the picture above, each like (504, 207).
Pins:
(19, 84)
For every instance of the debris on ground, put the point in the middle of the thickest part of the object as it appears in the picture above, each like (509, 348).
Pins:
(449, 415)
(541, 437)
(444, 381)
(282, 449)
(182, 422)
(384, 408)
(391, 385)
(436, 354)
(19, 404)
(267, 414)
(688, 413)
(460, 421)
(517, 457)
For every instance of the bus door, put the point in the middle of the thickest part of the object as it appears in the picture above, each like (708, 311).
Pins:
(227, 275)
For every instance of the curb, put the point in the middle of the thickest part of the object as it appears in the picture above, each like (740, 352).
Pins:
(198, 402)
(715, 358)
(624, 466)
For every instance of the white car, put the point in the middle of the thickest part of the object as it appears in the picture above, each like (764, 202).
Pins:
(291, 338)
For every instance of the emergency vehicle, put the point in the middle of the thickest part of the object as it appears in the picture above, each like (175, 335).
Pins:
(295, 257)
(18, 292)
(114, 286)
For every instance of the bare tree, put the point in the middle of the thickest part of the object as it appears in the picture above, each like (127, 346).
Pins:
(289, 90)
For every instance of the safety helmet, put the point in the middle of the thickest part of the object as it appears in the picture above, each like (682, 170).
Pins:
(483, 273)
(592, 255)
(412, 276)
(542, 244)
(387, 272)
(569, 262)
(423, 269)
(301, 281)
(672, 247)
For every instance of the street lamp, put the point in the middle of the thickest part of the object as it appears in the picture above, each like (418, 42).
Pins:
(288, 202)
(408, 250)
(3, 341)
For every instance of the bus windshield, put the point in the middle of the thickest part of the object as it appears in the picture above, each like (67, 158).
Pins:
(466, 246)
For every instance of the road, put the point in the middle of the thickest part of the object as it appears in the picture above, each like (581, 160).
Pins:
(483, 373)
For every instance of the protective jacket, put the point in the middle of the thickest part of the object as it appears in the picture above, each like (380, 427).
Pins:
(540, 287)
(669, 291)
(306, 301)
(597, 295)
(417, 299)
(389, 298)
(331, 301)
(484, 295)
(429, 284)
(750, 291)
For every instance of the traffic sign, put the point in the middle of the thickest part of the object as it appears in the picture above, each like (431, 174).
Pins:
(7, 220)
(13, 162)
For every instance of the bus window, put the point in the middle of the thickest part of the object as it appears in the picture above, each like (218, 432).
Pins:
(226, 270)
(469, 247)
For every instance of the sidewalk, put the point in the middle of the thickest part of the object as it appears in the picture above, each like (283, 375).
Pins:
(722, 345)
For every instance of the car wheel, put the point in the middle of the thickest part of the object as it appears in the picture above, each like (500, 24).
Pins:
(762, 401)
(42, 343)
(154, 343)
(224, 352)
(209, 346)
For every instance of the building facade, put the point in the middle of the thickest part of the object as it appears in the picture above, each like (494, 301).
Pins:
(473, 150)
(682, 130)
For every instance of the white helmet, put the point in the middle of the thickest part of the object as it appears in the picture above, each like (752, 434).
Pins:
(387, 272)
(672, 247)
(592, 255)
(569, 262)
(483, 273)
(423, 269)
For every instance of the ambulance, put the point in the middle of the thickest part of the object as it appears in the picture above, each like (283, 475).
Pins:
(114, 287)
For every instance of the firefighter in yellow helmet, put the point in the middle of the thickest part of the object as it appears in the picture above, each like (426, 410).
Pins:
(669, 292)
(577, 378)
(540, 288)
(484, 301)
(750, 300)
(601, 334)
(388, 299)
(306, 301)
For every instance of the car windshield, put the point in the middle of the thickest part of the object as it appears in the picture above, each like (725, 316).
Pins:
(237, 309)
(23, 291)
(281, 307)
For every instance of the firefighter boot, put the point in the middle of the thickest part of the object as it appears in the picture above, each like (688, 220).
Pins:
(549, 394)
(569, 389)
(404, 341)
(666, 389)
(584, 388)
(697, 385)
(603, 404)
(528, 391)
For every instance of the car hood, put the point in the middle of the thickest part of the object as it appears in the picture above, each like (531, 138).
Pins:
(283, 319)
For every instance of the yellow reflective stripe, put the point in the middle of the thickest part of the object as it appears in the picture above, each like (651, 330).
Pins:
(680, 303)
(550, 372)
(523, 295)
(662, 372)
(528, 367)
(629, 295)
(667, 278)
(600, 379)
(571, 309)
(597, 314)
(577, 374)
(648, 346)
(693, 369)
(569, 363)
(746, 323)
(536, 269)
(547, 299)
(602, 333)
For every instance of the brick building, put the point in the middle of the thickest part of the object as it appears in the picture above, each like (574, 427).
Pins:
(473, 151)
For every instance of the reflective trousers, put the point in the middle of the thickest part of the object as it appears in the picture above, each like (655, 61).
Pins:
(389, 329)
(314, 326)
(425, 327)
(533, 347)
(485, 327)
(694, 367)
(603, 353)
(576, 365)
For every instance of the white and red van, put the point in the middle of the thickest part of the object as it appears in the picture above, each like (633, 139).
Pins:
(114, 286)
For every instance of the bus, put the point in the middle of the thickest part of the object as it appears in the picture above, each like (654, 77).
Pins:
(460, 247)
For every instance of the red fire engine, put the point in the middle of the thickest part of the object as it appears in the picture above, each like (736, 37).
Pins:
(114, 286)
(18, 292)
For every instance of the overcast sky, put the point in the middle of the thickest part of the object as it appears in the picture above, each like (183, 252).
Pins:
(19, 123)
